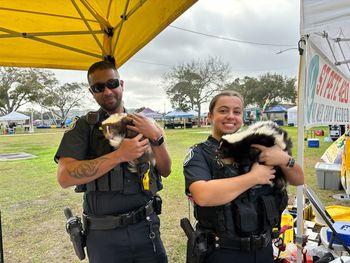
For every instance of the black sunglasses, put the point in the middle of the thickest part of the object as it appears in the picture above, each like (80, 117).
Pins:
(100, 87)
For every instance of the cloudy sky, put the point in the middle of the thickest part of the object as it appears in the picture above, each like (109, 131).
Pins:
(224, 28)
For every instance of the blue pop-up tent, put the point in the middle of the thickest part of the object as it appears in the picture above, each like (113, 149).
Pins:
(179, 114)
(276, 109)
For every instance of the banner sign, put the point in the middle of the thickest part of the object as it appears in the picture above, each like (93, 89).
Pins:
(327, 91)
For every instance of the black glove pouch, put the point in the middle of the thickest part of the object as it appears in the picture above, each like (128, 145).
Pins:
(246, 218)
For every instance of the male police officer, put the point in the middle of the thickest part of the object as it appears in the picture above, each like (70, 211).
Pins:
(120, 215)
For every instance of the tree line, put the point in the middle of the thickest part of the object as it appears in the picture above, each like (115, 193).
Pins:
(23, 86)
(188, 86)
(191, 84)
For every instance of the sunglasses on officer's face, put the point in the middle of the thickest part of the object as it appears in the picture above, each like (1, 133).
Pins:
(100, 87)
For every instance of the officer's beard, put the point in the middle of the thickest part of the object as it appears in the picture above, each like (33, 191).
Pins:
(112, 107)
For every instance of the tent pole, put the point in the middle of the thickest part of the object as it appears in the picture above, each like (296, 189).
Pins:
(1, 246)
(32, 121)
(300, 121)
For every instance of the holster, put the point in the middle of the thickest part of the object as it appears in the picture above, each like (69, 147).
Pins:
(74, 228)
(199, 242)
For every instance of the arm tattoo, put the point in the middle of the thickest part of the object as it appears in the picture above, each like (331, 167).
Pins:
(86, 168)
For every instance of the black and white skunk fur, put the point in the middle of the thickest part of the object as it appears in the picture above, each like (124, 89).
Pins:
(237, 146)
(115, 130)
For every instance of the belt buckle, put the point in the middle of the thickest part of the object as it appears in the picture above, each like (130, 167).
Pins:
(127, 219)
(258, 241)
(246, 243)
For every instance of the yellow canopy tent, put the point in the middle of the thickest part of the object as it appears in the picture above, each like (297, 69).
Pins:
(72, 34)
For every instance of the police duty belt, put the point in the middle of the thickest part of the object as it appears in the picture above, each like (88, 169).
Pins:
(251, 243)
(112, 222)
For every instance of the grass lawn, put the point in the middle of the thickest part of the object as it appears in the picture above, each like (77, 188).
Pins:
(32, 202)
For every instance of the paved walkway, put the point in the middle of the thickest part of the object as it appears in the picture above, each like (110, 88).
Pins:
(26, 134)
(16, 156)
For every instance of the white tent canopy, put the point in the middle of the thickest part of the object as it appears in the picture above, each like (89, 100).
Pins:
(327, 24)
(14, 116)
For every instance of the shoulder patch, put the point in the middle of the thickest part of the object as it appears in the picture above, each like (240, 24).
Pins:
(72, 125)
(188, 156)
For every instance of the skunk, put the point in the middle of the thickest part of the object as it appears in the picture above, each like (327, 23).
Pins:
(237, 146)
(115, 130)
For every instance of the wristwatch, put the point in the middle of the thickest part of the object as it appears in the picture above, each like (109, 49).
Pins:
(291, 162)
(158, 141)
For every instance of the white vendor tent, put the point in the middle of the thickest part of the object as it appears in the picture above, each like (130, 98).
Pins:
(19, 118)
(324, 70)
(292, 115)
(14, 117)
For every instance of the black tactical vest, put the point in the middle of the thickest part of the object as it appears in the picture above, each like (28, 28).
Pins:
(254, 212)
(119, 179)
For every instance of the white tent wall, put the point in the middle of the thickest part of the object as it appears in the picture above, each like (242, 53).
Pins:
(292, 115)
(325, 24)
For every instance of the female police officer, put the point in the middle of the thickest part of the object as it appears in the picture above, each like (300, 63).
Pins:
(119, 212)
(216, 196)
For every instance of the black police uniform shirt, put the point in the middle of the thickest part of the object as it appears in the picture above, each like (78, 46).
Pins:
(196, 167)
(75, 144)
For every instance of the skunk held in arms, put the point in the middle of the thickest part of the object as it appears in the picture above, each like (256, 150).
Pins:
(115, 130)
(237, 147)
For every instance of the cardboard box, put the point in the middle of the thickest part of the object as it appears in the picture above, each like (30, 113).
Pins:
(328, 176)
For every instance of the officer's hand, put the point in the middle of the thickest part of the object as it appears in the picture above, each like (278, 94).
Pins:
(145, 126)
(274, 155)
(263, 173)
(132, 149)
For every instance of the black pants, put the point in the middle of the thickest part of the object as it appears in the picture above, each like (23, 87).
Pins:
(130, 244)
(264, 255)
